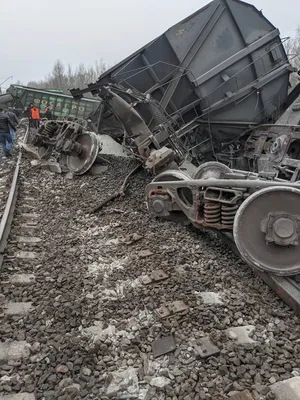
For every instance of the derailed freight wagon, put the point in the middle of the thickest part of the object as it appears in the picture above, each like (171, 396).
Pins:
(213, 78)
(214, 75)
(61, 105)
(204, 87)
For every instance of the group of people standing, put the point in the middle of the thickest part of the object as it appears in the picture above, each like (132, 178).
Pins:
(9, 123)
(8, 128)
(34, 115)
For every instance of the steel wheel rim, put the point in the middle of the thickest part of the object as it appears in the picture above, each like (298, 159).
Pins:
(175, 175)
(82, 163)
(277, 260)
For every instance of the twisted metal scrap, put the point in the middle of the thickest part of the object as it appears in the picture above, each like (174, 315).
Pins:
(119, 193)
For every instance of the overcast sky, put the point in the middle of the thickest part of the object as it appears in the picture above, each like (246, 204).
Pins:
(36, 33)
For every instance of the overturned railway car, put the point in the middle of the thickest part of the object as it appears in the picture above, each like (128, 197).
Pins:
(215, 86)
(214, 75)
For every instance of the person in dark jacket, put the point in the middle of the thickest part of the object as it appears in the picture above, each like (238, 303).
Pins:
(14, 119)
(5, 136)
(28, 112)
(17, 112)
(48, 114)
(12, 115)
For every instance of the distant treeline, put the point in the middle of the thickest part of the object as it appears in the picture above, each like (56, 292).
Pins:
(65, 78)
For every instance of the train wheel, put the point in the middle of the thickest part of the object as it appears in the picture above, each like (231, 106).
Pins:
(171, 175)
(267, 228)
(157, 204)
(211, 170)
(175, 175)
(82, 163)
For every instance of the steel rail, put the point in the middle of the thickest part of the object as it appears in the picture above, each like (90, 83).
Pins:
(286, 288)
(26, 136)
(7, 217)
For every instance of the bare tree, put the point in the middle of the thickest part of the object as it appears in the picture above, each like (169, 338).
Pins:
(100, 67)
(66, 78)
(57, 77)
(70, 77)
(292, 48)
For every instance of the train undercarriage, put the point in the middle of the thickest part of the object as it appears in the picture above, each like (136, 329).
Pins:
(258, 205)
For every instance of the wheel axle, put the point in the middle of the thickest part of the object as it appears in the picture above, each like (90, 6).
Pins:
(282, 229)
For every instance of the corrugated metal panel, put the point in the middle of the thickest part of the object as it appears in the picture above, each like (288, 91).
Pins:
(224, 63)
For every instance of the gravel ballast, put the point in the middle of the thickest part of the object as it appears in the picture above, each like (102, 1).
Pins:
(92, 322)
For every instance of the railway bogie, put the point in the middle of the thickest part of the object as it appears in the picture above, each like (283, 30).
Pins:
(77, 148)
(262, 215)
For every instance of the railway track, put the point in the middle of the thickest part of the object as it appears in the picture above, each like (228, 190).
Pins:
(10, 196)
(7, 215)
(84, 314)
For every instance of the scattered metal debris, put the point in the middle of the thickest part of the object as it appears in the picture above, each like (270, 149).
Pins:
(176, 307)
(119, 193)
(163, 346)
(241, 334)
(132, 238)
(145, 253)
(155, 276)
(205, 348)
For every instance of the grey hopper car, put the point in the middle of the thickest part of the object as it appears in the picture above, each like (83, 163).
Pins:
(216, 73)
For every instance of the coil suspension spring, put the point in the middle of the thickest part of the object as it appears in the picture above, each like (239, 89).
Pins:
(212, 213)
(228, 214)
(50, 128)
